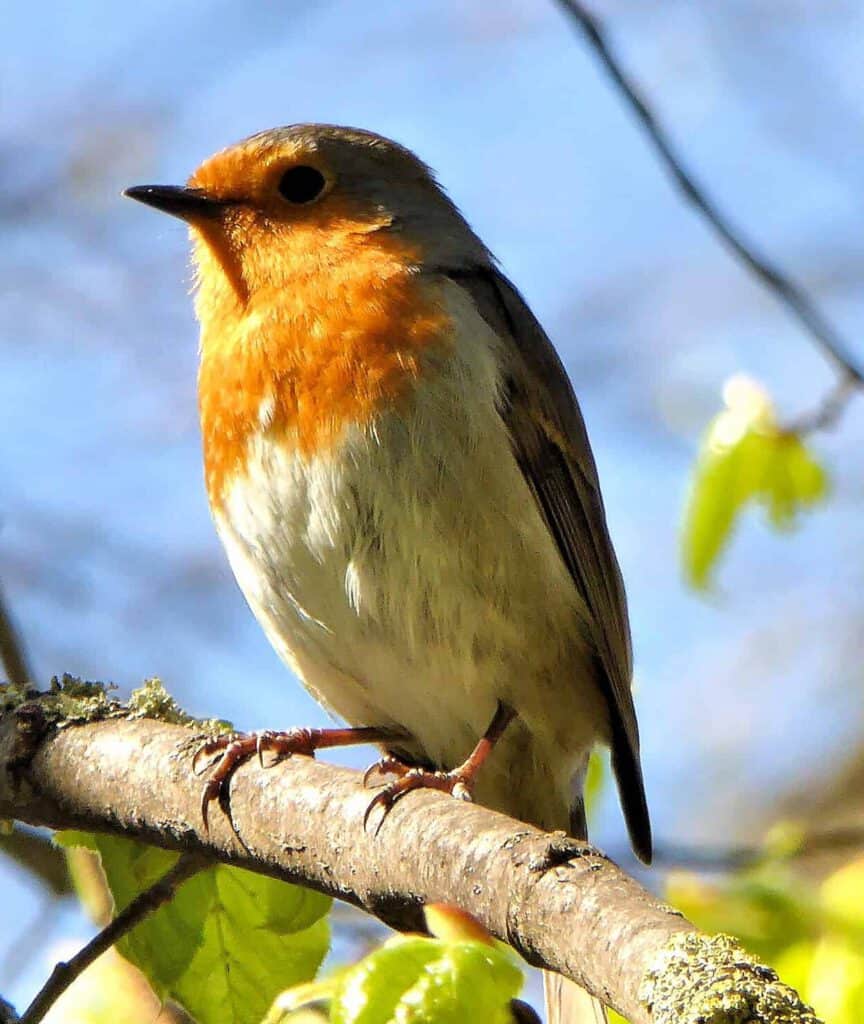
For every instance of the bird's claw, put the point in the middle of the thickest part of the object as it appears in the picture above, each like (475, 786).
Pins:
(224, 754)
(207, 749)
(409, 779)
(386, 766)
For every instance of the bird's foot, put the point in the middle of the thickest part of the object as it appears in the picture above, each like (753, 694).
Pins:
(458, 783)
(223, 755)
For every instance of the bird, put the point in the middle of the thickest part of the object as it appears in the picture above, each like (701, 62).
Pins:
(401, 476)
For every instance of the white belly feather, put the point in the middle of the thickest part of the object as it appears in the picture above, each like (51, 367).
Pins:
(408, 578)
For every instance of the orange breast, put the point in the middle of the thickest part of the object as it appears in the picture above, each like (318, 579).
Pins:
(346, 340)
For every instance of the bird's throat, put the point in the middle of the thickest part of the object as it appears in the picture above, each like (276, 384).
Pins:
(302, 362)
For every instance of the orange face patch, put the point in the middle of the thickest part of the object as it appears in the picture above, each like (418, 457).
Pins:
(339, 336)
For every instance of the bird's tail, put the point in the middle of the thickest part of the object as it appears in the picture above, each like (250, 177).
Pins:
(567, 1003)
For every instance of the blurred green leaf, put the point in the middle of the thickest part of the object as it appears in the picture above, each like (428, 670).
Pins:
(460, 974)
(814, 937)
(834, 981)
(226, 944)
(594, 780)
(762, 907)
(428, 981)
(745, 458)
(304, 1002)
(794, 479)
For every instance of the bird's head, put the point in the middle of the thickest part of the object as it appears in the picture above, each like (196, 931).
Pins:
(284, 205)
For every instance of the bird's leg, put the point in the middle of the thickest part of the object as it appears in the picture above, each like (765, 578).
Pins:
(225, 753)
(458, 783)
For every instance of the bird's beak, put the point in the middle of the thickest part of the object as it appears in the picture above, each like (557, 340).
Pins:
(188, 204)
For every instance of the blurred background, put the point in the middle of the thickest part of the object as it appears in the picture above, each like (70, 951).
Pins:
(749, 696)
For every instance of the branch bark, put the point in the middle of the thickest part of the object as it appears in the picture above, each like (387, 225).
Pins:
(559, 903)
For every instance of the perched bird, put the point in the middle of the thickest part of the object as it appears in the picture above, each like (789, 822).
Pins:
(402, 479)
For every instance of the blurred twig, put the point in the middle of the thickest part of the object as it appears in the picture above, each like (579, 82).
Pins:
(12, 656)
(29, 942)
(848, 839)
(826, 415)
(33, 852)
(142, 906)
(789, 293)
(38, 855)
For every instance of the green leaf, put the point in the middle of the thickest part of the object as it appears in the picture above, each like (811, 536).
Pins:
(299, 1002)
(226, 944)
(813, 936)
(745, 458)
(418, 980)
(793, 479)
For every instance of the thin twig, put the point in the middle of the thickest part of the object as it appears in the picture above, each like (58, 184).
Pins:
(789, 293)
(36, 934)
(727, 859)
(12, 656)
(827, 414)
(34, 852)
(142, 906)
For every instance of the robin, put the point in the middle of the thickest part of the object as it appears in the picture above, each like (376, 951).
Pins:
(402, 479)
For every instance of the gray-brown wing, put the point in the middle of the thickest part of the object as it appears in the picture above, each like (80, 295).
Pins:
(551, 445)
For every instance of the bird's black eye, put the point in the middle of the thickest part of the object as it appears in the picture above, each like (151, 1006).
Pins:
(301, 184)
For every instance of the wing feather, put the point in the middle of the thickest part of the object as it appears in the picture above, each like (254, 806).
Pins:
(551, 445)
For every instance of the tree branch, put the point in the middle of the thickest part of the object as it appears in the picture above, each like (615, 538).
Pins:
(559, 903)
(790, 294)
